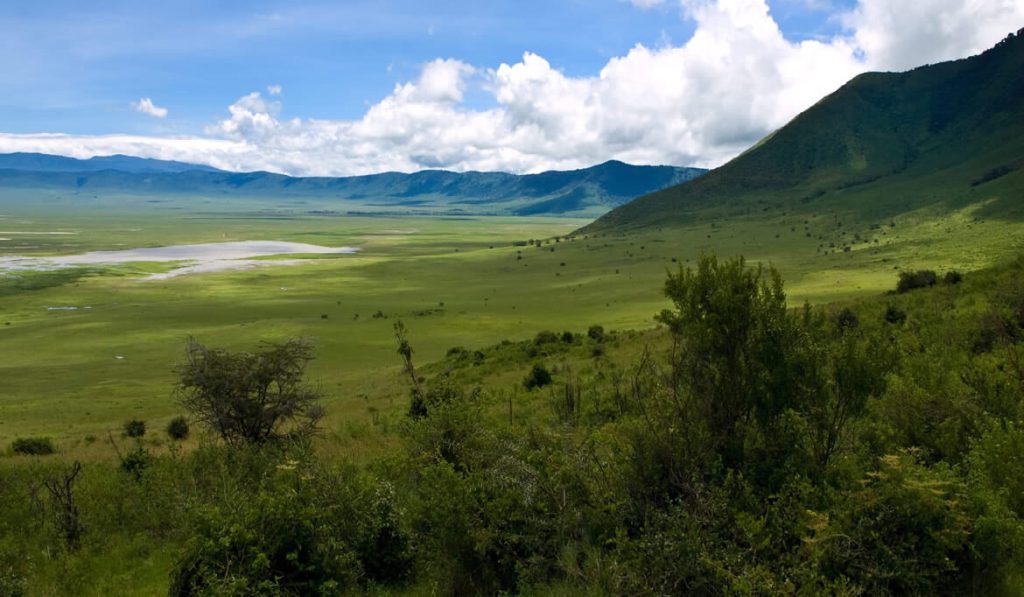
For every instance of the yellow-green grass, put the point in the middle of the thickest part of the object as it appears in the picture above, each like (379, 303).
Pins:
(453, 281)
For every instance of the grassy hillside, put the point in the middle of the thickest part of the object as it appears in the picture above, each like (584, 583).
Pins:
(944, 136)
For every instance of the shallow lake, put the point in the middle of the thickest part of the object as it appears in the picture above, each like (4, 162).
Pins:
(199, 258)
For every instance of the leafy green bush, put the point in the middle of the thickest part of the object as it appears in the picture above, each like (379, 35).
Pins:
(847, 320)
(952, 277)
(538, 377)
(134, 428)
(33, 446)
(305, 531)
(918, 279)
(178, 428)
(895, 315)
(901, 533)
(456, 352)
(12, 584)
(135, 462)
(545, 337)
(596, 333)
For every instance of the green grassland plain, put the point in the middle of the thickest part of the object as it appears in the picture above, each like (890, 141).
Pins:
(455, 281)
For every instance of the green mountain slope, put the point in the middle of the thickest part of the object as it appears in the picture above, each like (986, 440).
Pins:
(586, 192)
(947, 136)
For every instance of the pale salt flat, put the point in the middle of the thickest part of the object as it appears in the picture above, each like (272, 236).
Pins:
(38, 233)
(199, 258)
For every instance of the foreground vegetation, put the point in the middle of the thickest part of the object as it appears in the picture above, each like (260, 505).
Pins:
(866, 447)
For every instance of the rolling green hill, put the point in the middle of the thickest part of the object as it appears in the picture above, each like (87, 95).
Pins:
(945, 136)
(587, 192)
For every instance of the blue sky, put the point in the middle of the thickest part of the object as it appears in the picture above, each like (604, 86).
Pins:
(101, 75)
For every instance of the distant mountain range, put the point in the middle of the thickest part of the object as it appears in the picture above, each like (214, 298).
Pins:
(41, 162)
(943, 136)
(587, 192)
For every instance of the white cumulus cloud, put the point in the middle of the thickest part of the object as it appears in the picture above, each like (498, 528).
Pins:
(696, 103)
(902, 35)
(146, 106)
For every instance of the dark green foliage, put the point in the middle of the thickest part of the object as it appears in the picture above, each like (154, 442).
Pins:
(538, 377)
(952, 277)
(895, 315)
(847, 320)
(134, 428)
(302, 531)
(178, 428)
(451, 431)
(568, 337)
(33, 446)
(901, 533)
(737, 350)
(12, 583)
(27, 280)
(596, 333)
(994, 173)
(545, 337)
(250, 397)
(918, 279)
(135, 462)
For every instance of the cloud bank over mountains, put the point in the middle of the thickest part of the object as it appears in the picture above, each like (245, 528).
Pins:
(699, 103)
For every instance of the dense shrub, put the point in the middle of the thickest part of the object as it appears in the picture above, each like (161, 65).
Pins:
(178, 428)
(12, 580)
(134, 428)
(545, 337)
(538, 377)
(596, 333)
(952, 277)
(894, 314)
(456, 352)
(305, 531)
(32, 446)
(136, 461)
(918, 279)
(568, 337)
(901, 533)
(847, 320)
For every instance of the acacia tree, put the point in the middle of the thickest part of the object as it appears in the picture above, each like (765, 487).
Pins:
(253, 398)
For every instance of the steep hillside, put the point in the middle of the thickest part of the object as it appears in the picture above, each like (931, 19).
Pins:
(945, 135)
(586, 192)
